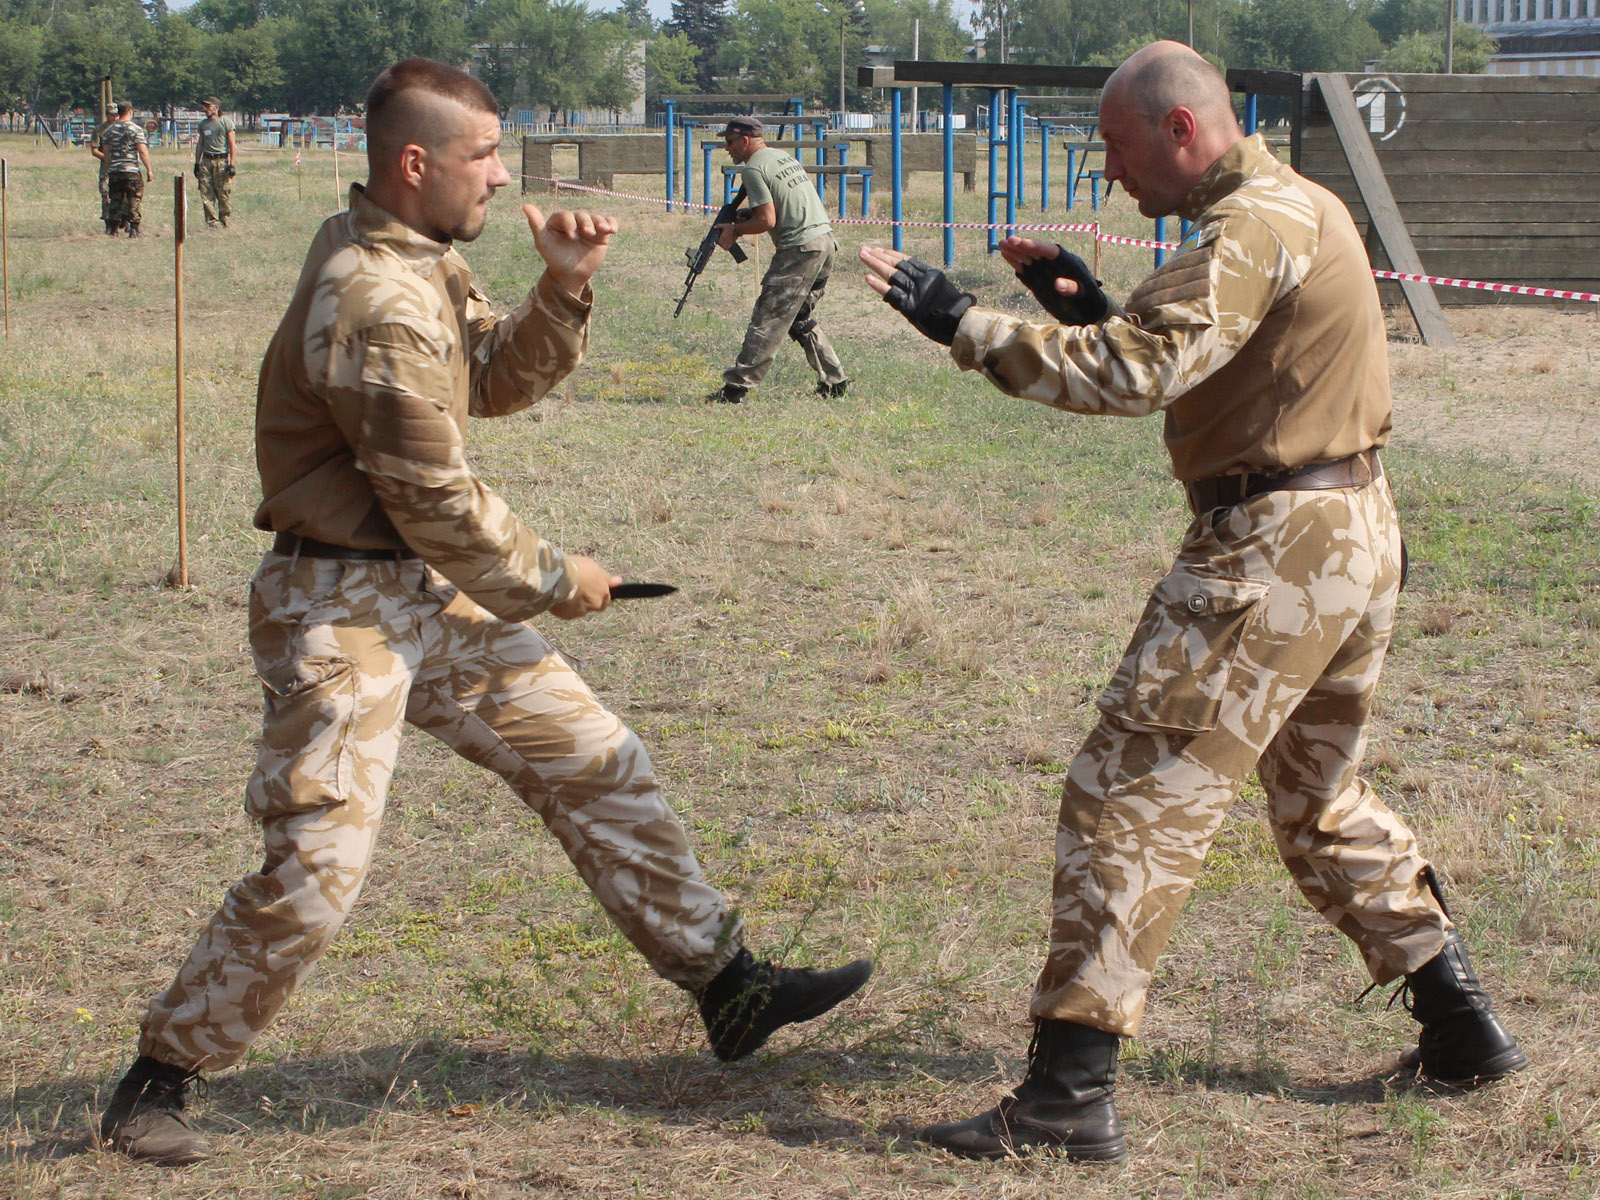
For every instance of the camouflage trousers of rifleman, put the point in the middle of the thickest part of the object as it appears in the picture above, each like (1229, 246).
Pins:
(787, 306)
(1260, 650)
(125, 194)
(346, 651)
(216, 187)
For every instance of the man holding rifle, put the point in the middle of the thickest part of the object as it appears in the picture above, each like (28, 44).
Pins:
(1263, 343)
(783, 202)
(398, 587)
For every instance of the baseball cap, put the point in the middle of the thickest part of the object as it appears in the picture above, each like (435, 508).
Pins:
(748, 126)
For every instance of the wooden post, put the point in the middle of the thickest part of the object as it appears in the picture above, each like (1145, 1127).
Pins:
(1382, 211)
(338, 191)
(1097, 250)
(179, 230)
(5, 248)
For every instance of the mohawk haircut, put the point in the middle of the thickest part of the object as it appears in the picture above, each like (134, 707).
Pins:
(398, 108)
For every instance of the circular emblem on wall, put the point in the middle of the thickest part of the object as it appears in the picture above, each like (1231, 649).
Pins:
(1382, 106)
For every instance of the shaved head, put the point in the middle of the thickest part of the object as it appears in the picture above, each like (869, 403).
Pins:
(420, 102)
(1167, 75)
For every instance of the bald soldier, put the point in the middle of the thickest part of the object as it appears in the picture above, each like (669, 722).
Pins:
(1263, 343)
(397, 587)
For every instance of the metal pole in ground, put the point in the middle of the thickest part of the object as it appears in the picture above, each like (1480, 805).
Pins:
(180, 204)
(5, 248)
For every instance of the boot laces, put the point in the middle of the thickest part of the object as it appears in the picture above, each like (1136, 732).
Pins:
(1402, 993)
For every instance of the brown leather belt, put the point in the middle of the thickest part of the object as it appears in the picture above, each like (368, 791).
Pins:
(293, 543)
(1221, 491)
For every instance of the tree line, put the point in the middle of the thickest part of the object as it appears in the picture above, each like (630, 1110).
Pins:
(317, 56)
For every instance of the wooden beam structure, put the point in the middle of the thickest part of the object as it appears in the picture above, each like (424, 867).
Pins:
(1382, 211)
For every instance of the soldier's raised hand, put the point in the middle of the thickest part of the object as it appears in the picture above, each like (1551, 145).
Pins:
(572, 243)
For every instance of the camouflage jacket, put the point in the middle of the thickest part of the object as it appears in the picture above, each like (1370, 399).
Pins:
(385, 350)
(120, 141)
(1262, 338)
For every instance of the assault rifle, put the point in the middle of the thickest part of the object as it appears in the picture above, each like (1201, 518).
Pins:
(701, 255)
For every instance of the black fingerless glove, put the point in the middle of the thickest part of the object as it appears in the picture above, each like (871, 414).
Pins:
(1087, 307)
(929, 301)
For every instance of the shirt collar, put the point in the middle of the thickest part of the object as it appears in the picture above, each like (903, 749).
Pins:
(1241, 161)
(374, 225)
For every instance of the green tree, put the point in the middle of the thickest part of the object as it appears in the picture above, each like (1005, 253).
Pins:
(1302, 35)
(704, 23)
(669, 66)
(167, 68)
(241, 66)
(1394, 19)
(80, 49)
(772, 46)
(940, 36)
(225, 16)
(19, 63)
(636, 16)
(1424, 52)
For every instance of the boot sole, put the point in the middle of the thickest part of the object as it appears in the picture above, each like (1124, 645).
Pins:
(1098, 1152)
(1496, 1068)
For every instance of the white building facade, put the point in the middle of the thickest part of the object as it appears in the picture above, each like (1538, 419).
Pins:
(1538, 37)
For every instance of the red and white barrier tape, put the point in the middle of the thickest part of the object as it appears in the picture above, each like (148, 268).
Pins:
(1515, 289)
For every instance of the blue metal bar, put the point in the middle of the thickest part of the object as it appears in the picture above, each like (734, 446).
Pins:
(822, 156)
(672, 142)
(705, 176)
(1072, 174)
(994, 167)
(949, 174)
(688, 158)
(1161, 236)
(844, 184)
(1250, 112)
(1014, 144)
(1044, 167)
(1019, 143)
(897, 172)
(866, 194)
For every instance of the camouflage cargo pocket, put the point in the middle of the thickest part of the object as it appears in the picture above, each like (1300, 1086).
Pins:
(1175, 672)
(306, 757)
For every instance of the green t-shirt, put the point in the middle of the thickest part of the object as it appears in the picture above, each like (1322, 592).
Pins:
(773, 175)
(213, 134)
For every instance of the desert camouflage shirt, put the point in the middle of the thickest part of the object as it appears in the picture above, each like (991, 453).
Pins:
(120, 140)
(361, 409)
(1261, 339)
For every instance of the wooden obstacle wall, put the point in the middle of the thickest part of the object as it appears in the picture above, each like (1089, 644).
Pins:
(1496, 176)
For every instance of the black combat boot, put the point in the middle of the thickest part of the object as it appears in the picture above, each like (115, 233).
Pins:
(749, 1000)
(133, 229)
(728, 394)
(145, 1118)
(1463, 1043)
(1065, 1106)
(832, 391)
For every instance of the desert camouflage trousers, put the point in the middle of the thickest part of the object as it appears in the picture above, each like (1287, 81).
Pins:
(216, 187)
(125, 199)
(345, 651)
(1260, 650)
(790, 292)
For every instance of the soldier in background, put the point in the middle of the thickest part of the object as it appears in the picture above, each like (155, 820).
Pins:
(1263, 342)
(397, 589)
(127, 157)
(105, 183)
(215, 163)
(783, 202)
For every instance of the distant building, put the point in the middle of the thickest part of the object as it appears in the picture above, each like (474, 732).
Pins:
(1538, 37)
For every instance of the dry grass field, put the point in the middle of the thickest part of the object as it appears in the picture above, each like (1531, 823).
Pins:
(897, 610)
